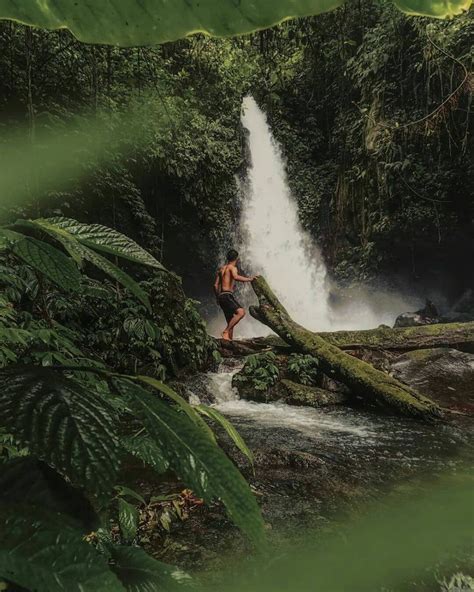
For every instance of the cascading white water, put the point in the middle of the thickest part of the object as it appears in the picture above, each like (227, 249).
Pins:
(273, 241)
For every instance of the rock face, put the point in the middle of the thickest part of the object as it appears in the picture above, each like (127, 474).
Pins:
(446, 375)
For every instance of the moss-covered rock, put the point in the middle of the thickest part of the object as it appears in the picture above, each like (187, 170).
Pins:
(311, 396)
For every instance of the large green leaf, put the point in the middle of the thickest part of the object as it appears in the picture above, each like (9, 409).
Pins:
(104, 239)
(80, 251)
(139, 572)
(180, 401)
(199, 462)
(46, 259)
(67, 426)
(146, 449)
(127, 22)
(231, 430)
(117, 274)
(46, 555)
(29, 481)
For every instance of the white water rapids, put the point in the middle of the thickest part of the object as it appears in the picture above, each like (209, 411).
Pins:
(313, 423)
(273, 243)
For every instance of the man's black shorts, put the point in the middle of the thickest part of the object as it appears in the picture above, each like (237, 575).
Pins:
(229, 304)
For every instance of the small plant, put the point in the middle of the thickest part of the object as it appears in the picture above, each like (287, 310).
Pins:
(260, 372)
(303, 369)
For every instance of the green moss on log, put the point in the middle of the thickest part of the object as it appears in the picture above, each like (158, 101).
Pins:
(360, 377)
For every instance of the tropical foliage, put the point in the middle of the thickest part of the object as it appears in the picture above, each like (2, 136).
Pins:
(68, 420)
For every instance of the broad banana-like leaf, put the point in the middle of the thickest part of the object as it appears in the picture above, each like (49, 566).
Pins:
(148, 22)
(53, 264)
(198, 461)
(40, 552)
(69, 427)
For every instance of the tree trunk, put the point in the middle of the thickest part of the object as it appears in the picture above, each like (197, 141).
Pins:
(405, 338)
(401, 339)
(360, 377)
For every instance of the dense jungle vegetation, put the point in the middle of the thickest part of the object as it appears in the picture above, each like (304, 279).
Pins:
(109, 242)
(371, 107)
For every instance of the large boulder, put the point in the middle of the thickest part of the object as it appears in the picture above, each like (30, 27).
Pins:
(446, 375)
(425, 316)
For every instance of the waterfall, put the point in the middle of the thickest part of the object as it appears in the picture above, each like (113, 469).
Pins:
(273, 241)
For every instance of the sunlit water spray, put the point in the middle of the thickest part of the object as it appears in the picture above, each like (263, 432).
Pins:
(273, 243)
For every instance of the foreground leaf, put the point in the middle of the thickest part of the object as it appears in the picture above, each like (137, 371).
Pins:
(180, 401)
(128, 23)
(147, 450)
(117, 274)
(228, 427)
(105, 239)
(56, 266)
(49, 556)
(67, 426)
(200, 463)
(139, 572)
(80, 252)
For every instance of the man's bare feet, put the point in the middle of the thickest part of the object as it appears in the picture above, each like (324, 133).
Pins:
(226, 336)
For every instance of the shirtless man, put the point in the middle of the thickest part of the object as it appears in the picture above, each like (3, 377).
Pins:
(226, 277)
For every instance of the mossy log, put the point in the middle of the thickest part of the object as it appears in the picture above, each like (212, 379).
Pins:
(402, 339)
(362, 379)
(405, 338)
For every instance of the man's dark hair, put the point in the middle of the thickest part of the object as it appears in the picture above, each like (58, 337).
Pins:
(232, 255)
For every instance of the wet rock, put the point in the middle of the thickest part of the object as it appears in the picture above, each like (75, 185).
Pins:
(293, 393)
(446, 375)
(425, 316)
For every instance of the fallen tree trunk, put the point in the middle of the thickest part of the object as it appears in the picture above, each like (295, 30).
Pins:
(405, 338)
(363, 380)
(454, 335)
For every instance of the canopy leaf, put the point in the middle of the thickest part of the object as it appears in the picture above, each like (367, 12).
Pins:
(62, 423)
(198, 461)
(128, 23)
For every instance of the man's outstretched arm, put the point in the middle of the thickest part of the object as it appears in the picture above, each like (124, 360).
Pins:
(241, 278)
